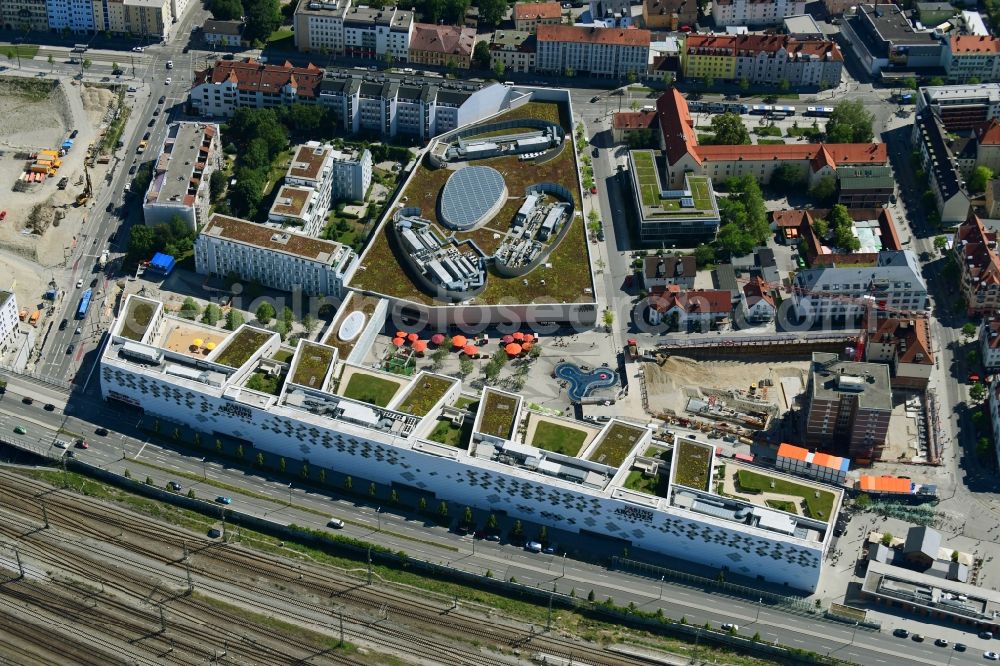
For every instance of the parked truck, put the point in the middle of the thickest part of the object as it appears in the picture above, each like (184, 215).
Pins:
(102, 261)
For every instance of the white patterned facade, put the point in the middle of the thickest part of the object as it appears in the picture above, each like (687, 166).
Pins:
(389, 446)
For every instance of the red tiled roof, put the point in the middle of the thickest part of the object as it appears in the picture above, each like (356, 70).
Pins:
(975, 44)
(989, 134)
(536, 10)
(756, 290)
(977, 258)
(908, 336)
(447, 39)
(745, 45)
(676, 126)
(573, 33)
(693, 301)
(993, 326)
(834, 154)
(788, 218)
(251, 75)
(625, 120)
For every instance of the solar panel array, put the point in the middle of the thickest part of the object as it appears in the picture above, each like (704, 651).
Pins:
(470, 195)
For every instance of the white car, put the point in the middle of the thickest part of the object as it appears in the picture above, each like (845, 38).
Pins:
(335, 523)
(79, 283)
(730, 627)
(167, 81)
(992, 656)
(61, 444)
(170, 64)
(138, 49)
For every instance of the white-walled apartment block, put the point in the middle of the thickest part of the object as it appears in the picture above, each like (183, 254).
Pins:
(359, 32)
(352, 175)
(301, 207)
(611, 52)
(755, 12)
(273, 257)
(180, 187)
(588, 491)
(8, 321)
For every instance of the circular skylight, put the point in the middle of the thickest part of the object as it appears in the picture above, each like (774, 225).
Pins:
(472, 196)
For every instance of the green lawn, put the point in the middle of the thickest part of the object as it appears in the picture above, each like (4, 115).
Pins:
(424, 395)
(808, 132)
(371, 389)
(638, 482)
(767, 130)
(25, 51)
(770, 142)
(694, 465)
(265, 382)
(282, 38)
(558, 438)
(617, 444)
(819, 503)
(241, 348)
(313, 363)
(445, 433)
(783, 505)
(498, 414)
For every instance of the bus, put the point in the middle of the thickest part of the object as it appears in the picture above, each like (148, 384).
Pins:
(79, 48)
(783, 111)
(760, 109)
(81, 311)
(821, 111)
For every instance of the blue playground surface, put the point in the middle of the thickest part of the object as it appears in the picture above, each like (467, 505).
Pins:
(582, 383)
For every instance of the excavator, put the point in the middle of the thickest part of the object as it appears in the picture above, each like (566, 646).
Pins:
(84, 197)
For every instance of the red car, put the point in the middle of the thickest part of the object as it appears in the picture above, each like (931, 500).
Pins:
(82, 444)
(3, 215)
(593, 190)
(973, 377)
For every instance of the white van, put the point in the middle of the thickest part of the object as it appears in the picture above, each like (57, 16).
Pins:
(533, 547)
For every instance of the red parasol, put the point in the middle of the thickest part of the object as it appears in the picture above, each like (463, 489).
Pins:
(518, 335)
(528, 337)
(398, 342)
(412, 337)
(513, 349)
(420, 345)
(525, 346)
(507, 339)
(400, 334)
(459, 341)
(437, 338)
(470, 350)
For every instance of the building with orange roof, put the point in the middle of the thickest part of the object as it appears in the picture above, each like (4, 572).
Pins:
(972, 57)
(884, 485)
(757, 304)
(875, 224)
(755, 12)
(530, 15)
(669, 14)
(975, 250)
(689, 308)
(625, 124)
(230, 84)
(987, 145)
(763, 59)
(815, 465)
(904, 345)
(609, 52)
(683, 155)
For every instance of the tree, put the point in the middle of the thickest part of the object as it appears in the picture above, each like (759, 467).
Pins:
(887, 538)
(518, 530)
(977, 393)
(189, 309)
(491, 522)
(704, 255)
(498, 69)
(608, 318)
(981, 176)
(226, 10)
(217, 184)
(212, 314)
(843, 229)
(787, 178)
(348, 483)
(824, 189)
(259, 459)
(465, 366)
(248, 191)
(784, 86)
(394, 496)
(936, 81)
(849, 123)
(422, 504)
(287, 315)
(372, 490)
(265, 313)
(282, 328)
(234, 318)
(709, 82)
(729, 130)
(968, 329)
(87, 63)
(262, 18)
(443, 510)
(304, 472)
(972, 357)
(744, 84)
(481, 55)
(309, 323)
(940, 243)
(141, 242)
(821, 227)
(910, 83)
(863, 501)
(467, 516)
(983, 446)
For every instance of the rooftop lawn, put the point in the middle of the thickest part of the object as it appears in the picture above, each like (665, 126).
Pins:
(565, 281)
(639, 482)
(694, 465)
(558, 438)
(446, 433)
(283, 355)
(424, 394)
(371, 389)
(242, 346)
(648, 182)
(137, 319)
(312, 366)
(498, 414)
(819, 503)
(616, 444)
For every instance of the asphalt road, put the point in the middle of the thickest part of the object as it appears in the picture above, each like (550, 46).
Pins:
(283, 503)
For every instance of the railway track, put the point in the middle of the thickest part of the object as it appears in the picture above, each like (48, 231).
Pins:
(209, 561)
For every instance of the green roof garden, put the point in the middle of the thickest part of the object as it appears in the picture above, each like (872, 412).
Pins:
(368, 388)
(646, 179)
(137, 318)
(498, 410)
(819, 503)
(693, 467)
(242, 346)
(425, 392)
(313, 364)
(558, 438)
(618, 441)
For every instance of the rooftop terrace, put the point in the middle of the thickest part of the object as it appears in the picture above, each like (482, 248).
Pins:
(242, 345)
(138, 314)
(616, 443)
(697, 201)
(496, 414)
(425, 392)
(313, 364)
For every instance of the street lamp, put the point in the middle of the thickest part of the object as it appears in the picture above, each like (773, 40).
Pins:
(760, 602)
(289, 494)
(661, 587)
(204, 468)
(378, 516)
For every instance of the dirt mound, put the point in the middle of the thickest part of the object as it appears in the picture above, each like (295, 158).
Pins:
(97, 102)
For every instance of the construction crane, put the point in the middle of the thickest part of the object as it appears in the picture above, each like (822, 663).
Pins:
(84, 197)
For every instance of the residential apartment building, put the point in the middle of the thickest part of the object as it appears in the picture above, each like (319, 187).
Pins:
(972, 57)
(275, 258)
(391, 445)
(352, 175)
(894, 283)
(768, 59)
(757, 305)
(688, 309)
(613, 13)
(8, 321)
(669, 14)
(903, 343)
(975, 249)
(529, 15)
(515, 50)
(181, 173)
(361, 32)
(25, 15)
(71, 15)
(754, 12)
(359, 103)
(883, 36)
(625, 124)
(944, 175)
(299, 207)
(813, 464)
(850, 404)
(683, 155)
(865, 186)
(664, 271)
(961, 107)
(442, 45)
(145, 18)
(223, 34)
(610, 52)
(989, 344)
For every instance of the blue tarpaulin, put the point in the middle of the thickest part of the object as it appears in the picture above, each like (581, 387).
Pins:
(162, 263)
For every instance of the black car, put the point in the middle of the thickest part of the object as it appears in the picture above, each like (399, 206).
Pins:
(163, 98)
(960, 647)
(173, 485)
(940, 642)
(594, 98)
(93, 283)
(152, 121)
(26, 400)
(111, 207)
(986, 635)
(103, 432)
(732, 98)
(228, 56)
(135, 167)
(145, 137)
(901, 633)
(63, 324)
(49, 407)
(73, 134)
(919, 638)
(69, 349)
(185, 49)
(156, 112)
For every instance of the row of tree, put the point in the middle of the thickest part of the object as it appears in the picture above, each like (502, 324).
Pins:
(744, 217)
(175, 238)
(262, 17)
